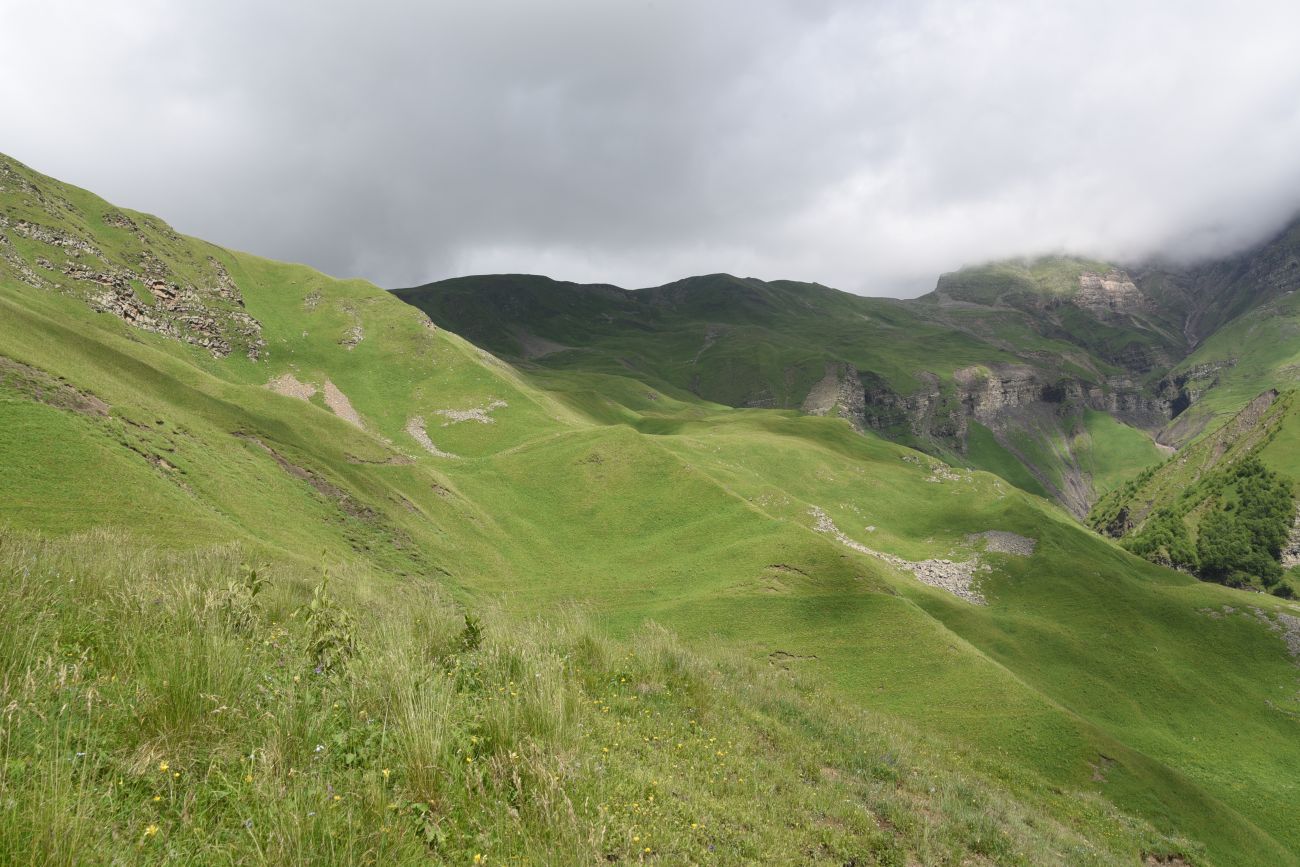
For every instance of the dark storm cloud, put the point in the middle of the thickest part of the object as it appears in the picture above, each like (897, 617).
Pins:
(866, 145)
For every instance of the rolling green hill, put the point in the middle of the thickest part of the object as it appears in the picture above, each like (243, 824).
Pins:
(799, 641)
(1007, 367)
(977, 388)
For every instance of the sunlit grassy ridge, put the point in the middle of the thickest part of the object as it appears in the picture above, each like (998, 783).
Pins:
(1088, 675)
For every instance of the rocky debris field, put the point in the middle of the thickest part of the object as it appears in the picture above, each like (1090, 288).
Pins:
(480, 414)
(954, 576)
(1002, 542)
(415, 427)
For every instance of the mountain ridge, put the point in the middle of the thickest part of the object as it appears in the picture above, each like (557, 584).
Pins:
(1052, 336)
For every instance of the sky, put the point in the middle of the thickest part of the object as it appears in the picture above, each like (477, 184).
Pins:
(865, 145)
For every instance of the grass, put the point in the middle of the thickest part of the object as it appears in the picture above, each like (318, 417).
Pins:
(1094, 690)
(159, 710)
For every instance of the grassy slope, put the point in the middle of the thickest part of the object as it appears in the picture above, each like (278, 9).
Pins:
(166, 714)
(589, 486)
(1264, 343)
(744, 342)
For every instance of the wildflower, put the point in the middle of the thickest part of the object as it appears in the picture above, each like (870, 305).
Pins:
(248, 778)
(469, 759)
(385, 772)
(338, 797)
(478, 858)
(647, 850)
(157, 798)
(151, 830)
(163, 766)
(176, 774)
(695, 825)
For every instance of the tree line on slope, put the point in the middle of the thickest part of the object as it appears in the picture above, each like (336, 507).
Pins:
(1230, 527)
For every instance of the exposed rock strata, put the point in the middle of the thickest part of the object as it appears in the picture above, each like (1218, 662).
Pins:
(1110, 294)
(839, 393)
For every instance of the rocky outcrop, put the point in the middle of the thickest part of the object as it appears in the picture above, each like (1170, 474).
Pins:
(1111, 294)
(986, 393)
(1184, 388)
(838, 393)
(158, 284)
(1291, 550)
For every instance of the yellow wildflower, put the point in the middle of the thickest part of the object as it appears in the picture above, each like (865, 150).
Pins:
(385, 772)
(157, 798)
(151, 830)
(163, 766)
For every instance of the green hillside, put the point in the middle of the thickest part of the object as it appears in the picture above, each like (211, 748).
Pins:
(867, 655)
(990, 387)
(1223, 507)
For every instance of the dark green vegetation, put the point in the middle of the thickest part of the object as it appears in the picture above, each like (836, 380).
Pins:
(1229, 527)
(1223, 508)
(806, 594)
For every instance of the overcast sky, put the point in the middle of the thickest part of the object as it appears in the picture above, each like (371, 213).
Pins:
(868, 146)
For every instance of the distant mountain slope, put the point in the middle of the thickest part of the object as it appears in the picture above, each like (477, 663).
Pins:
(1005, 367)
(983, 387)
(410, 462)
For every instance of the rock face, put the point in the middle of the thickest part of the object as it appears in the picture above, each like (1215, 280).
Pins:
(839, 393)
(991, 395)
(1291, 551)
(151, 279)
(1105, 295)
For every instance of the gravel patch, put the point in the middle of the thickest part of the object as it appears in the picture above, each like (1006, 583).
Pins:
(415, 427)
(955, 577)
(1002, 542)
(339, 404)
(290, 386)
(1287, 626)
(480, 414)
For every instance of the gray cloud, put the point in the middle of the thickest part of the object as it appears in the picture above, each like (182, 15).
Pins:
(865, 145)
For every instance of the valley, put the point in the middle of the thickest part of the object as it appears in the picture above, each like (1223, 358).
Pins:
(856, 561)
